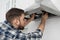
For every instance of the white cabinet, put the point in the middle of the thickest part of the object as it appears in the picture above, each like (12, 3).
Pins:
(52, 6)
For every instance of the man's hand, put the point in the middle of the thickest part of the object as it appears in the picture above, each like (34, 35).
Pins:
(45, 16)
(43, 21)
(29, 20)
(32, 16)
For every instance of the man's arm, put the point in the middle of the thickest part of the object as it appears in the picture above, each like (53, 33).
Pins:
(43, 21)
(38, 33)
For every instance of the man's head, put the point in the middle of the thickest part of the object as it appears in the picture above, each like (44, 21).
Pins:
(15, 17)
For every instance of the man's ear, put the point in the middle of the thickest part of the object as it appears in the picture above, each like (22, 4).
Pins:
(16, 21)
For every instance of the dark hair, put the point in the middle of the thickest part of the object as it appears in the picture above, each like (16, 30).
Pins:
(13, 13)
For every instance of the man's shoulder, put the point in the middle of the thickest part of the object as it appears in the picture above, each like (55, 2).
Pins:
(3, 26)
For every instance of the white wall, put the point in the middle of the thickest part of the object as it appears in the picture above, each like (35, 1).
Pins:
(5, 5)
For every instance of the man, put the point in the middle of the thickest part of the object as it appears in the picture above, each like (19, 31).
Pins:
(15, 22)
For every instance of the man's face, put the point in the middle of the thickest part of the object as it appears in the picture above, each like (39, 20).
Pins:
(20, 22)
